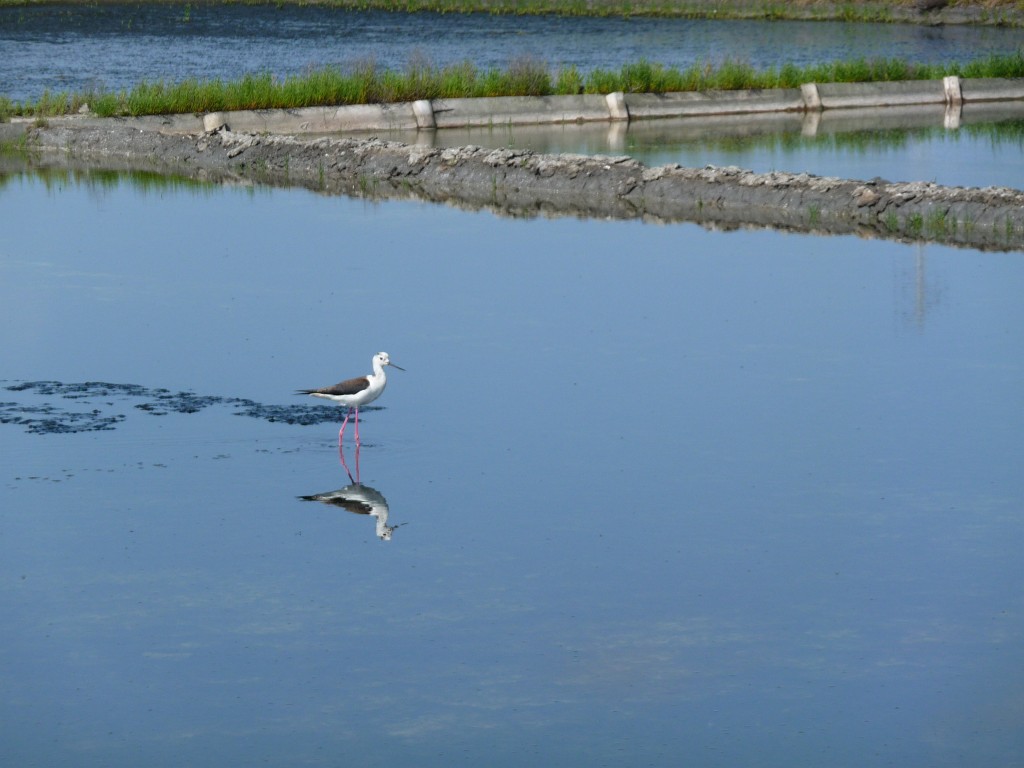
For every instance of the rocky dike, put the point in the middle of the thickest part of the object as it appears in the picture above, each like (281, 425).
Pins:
(522, 183)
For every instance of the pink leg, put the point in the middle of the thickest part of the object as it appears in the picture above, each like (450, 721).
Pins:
(341, 455)
(357, 425)
(341, 434)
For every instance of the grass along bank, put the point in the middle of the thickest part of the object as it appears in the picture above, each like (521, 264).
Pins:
(1006, 12)
(366, 84)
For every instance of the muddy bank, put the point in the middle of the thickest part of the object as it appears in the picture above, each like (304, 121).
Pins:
(524, 183)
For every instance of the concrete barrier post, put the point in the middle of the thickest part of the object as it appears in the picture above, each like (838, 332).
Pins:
(954, 102)
(812, 100)
(424, 112)
(617, 109)
(951, 85)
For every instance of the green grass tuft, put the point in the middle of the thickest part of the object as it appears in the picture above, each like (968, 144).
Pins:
(915, 224)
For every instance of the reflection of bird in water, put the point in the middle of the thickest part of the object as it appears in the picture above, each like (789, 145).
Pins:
(361, 500)
(355, 392)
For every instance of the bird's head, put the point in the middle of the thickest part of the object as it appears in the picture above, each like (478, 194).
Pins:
(383, 359)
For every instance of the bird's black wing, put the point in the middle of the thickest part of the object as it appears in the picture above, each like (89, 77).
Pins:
(347, 387)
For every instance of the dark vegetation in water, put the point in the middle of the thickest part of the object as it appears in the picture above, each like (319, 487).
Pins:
(102, 401)
(48, 419)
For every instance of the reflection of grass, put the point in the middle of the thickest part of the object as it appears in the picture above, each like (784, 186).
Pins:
(365, 83)
(104, 180)
(1001, 134)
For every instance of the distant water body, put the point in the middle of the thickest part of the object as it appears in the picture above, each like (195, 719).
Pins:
(78, 47)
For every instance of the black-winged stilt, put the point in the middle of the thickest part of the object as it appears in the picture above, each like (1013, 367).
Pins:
(355, 392)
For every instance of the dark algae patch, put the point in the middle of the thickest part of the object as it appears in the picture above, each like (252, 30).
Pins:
(50, 419)
(106, 403)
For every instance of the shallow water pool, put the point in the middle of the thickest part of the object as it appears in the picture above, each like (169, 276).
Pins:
(656, 493)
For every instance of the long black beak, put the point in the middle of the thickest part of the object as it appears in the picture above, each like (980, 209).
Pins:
(396, 366)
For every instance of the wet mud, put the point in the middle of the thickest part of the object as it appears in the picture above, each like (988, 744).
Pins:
(522, 183)
(54, 407)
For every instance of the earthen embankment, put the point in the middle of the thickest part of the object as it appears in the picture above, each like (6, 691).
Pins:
(524, 183)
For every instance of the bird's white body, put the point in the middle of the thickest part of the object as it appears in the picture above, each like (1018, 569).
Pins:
(353, 393)
(359, 391)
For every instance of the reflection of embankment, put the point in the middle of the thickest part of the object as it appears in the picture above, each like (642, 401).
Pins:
(524, 183)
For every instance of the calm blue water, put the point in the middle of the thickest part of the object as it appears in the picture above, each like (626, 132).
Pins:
(663, 494)
(78, 47)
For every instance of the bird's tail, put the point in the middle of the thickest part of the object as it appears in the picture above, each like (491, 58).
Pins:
(305, 391)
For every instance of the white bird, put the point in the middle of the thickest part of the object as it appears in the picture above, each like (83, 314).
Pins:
(353, 393)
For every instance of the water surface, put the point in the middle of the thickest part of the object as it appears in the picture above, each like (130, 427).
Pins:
(662, 493)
